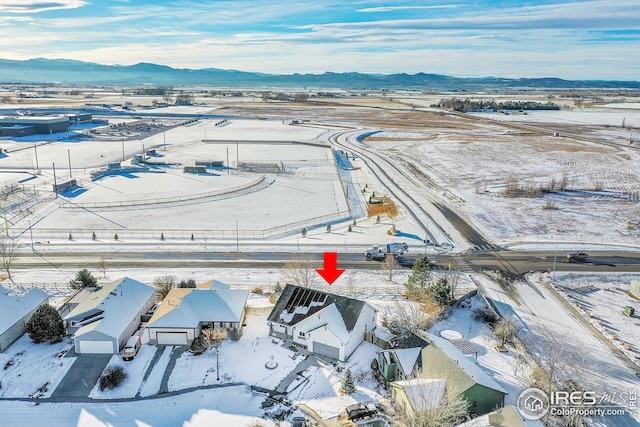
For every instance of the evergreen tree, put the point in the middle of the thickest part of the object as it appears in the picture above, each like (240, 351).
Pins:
(115, 236)
(420, 277)
(440, 292)
(84, 279)
(304, 232)
(93, 236)
(348, 384)
(45, 325)
(328, 228)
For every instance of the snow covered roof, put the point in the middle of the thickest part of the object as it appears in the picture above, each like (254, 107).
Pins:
(407, 358)
(14, 308)
(3, 290)
(187, 307)
(503, 417)
(119, 302)
(474, 372)
(213, 284)
(423, 393)
(334, 322)
(297, 303)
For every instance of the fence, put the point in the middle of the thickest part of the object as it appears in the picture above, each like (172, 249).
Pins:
(160, 200)
(175, 234)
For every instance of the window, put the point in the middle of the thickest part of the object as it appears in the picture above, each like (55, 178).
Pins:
(302, 334)
(474, 404)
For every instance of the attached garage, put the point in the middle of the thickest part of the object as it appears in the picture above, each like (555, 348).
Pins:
(326, 350)
(96, 347)
(171, 338)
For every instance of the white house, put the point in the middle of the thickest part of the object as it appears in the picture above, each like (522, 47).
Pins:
(323, 323)
(185, 311)
(15, 312)
(106, 318)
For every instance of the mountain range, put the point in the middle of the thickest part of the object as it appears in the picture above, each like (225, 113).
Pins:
(65, 71)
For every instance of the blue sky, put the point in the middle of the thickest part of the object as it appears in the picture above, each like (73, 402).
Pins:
(572, 39)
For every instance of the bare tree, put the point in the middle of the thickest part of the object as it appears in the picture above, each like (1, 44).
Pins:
(390, 266)
(102, 265)
(163, 285)
(302, 271)
(406, 317)
(505, 330)
(8, 253)
(431, 406)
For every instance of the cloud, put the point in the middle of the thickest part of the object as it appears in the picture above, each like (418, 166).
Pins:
(397, 8)
(26, 6)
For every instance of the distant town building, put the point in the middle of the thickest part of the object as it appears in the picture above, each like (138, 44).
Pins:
(31, 125)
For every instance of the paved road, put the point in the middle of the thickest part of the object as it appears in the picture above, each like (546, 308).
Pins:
(515, 262)
(82, 376)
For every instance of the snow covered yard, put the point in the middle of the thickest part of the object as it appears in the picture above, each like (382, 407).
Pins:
(510, 369)
(135, 370)
(30, 369)
(242, 361)
(318, 388)
(601, 299)
(227, 406)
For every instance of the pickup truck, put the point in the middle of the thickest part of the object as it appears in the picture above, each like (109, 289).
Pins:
(379, 253)
(578, 257)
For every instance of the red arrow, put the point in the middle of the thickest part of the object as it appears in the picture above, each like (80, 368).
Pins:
(330, 271)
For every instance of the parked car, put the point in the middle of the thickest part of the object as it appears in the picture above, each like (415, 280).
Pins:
(299, 422)
(131, 348)
(578, 257)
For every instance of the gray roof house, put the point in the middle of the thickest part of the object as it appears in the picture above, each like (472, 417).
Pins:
(15, 312)
(185, 311)
(323, 323)
(108, 316)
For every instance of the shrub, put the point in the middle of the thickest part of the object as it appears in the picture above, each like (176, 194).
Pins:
(257, 290)
(112, 377)
(198, 346)
(188, 284)
(162, 236)
(93, 236)
(115, 236)
(485, 315)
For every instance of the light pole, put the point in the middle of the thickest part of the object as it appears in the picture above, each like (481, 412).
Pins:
(217, 365)
(237, 238)
(31, 233)
(555, 257)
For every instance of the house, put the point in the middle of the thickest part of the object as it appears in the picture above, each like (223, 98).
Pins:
(108, 316)
(443, 360)
(185, 311)
(400, 363)
(15, 312)
(323, 323)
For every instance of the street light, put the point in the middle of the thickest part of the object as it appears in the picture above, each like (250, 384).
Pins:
(237, 238)
(217, 365)
(555, 257)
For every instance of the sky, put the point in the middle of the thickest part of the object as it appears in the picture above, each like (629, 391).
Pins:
(571, 39)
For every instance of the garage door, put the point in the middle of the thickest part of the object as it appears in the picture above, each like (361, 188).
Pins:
(326, 350)
(172, 338)
(102, 347)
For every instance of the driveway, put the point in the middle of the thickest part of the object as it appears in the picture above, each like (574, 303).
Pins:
(82, 376)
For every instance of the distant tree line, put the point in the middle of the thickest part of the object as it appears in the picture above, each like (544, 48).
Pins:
(153, 91)
(464, 105)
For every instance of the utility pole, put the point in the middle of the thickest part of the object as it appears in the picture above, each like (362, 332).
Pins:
(237, 238)
(69, 155)
(122, 140)
(228, 165)
(237, 155)
(35, 148)
(55, 181)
